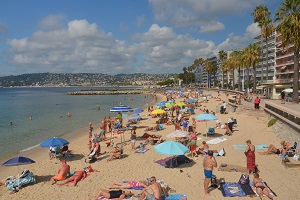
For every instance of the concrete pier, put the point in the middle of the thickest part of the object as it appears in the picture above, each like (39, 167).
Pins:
(120, 92)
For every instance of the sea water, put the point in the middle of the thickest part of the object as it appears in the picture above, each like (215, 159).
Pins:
(48, 108)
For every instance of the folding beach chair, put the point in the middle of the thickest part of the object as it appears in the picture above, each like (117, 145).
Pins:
(211, 131)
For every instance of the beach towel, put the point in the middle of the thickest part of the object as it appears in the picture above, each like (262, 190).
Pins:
(14, 184)
(216, 140)
(220, 153)
(261, 146)
(174, 197)
(233, 168)
(103, 198)
(231, 189)
(143, 150)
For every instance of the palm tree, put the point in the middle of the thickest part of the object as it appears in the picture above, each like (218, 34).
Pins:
(222, 56)
(225, 66)
(252, 57)
(259, 15)
(247, 64)
(288, 17)
(208, 65)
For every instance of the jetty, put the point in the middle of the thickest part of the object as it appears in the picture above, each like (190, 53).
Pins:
(119, 92)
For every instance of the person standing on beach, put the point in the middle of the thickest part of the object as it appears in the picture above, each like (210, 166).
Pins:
(109, 124)
(90, 135)
(133, 137)
(250, 154)
(103, 128)
(119, 117)
(209, 163)
(256, 102)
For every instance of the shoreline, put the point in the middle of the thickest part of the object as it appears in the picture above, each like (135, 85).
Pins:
(39, 154)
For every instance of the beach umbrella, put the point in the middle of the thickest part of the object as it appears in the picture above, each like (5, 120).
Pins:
(178, 133)
(135, 116)
(180, 104)
(170, 101)
(121, 108)
(170, 104)
(17, 161)
(191, 101)
(136, 111)
(206, 117)
(209, 95)
(171, 148)
(160, 104)
(158, 112)
(54, 142)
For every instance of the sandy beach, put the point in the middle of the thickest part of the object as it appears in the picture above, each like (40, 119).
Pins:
(252, 124)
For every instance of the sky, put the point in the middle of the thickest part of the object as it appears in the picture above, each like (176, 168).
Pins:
(121, 36)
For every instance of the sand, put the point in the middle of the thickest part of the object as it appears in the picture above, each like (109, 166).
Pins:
(252, 124)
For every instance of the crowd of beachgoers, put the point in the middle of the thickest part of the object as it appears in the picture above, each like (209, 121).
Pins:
(184, 146)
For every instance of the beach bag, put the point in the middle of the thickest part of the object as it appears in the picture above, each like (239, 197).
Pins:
(244, 180)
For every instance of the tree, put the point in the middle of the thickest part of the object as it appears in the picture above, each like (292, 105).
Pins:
(222, 56)
(225, 66)
(259, 15)
(289, 26)
(252, 57)
(208, 67)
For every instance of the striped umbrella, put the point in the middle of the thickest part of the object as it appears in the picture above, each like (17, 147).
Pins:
(121, 108)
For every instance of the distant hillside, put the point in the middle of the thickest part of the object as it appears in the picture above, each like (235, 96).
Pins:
(79, 79)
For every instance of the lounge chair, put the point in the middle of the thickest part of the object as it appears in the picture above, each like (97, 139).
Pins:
(292, 151)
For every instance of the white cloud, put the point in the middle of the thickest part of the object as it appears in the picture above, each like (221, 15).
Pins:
(52, 22)
(211, 27)
(186, 13)
(253, 30)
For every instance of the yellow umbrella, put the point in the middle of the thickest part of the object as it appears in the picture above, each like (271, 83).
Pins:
(170, 104)
(158, 112)
(180, 104)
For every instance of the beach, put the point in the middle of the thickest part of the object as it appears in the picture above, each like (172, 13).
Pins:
(186, 179)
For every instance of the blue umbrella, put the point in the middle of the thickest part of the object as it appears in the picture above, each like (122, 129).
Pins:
(171, 148)
(121, 108)
(135, 116)
(160, 104)
(54, 142)
(136, 111)
(206, 117)
(191, 101)
(17, 161)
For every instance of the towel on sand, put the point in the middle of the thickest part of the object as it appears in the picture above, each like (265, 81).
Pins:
(216, 140)
(173, 197)
(261, 146)
(143, 150)
(103, 198)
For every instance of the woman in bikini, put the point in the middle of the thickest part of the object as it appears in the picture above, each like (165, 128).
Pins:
(113, 194)
(261, 189)
(79, 175)
(128, 185)
(194, 125)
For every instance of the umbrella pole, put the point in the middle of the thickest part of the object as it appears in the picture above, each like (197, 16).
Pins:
(206, 128)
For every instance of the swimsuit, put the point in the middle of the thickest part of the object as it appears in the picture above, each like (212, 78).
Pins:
(208, 173)
(115, 194)
(60, 177)
(150, 197)
(134, 184)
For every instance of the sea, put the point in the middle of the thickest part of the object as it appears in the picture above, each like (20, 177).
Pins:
(48, 108)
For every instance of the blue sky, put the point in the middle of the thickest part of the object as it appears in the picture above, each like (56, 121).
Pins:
(121, 36)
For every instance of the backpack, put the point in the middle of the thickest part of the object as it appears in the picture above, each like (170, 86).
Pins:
(244, 180)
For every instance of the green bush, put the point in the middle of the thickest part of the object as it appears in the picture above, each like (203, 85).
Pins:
(271, 122)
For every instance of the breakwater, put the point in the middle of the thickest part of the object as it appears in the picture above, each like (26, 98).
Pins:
(119, 92)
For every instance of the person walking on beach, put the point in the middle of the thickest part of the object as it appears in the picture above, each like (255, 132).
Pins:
(250, 154)
(256, 102)
(133, 137)
(209, 163)
(62, 172)
(103, 128)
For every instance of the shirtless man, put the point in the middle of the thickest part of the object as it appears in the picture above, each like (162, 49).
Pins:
(62, 173)
(80, 174)
(156, 189)
(103, 128)
(209, 163)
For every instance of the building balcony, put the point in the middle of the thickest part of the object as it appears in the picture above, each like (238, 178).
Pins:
(285, 55)
(288, 71)
(284, 80)
(280, 64)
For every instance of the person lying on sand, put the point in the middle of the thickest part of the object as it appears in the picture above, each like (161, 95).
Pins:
(79, 175)
(128, 185)
(261, 189)
(204, 149)
(113, 194)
